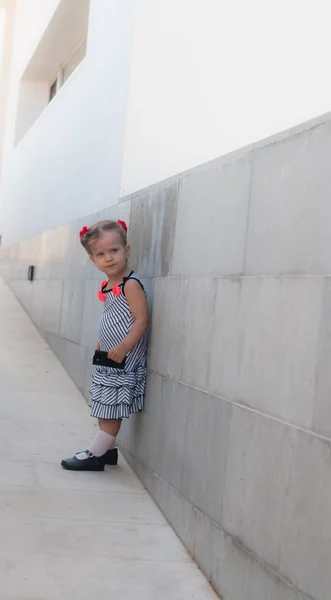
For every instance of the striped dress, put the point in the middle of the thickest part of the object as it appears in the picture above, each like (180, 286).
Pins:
(117, 393)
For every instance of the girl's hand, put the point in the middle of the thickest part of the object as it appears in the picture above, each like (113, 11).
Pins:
(98, 346)
(117, 354)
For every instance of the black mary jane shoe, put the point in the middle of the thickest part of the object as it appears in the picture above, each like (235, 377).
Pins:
(111, 457)
(92, 463)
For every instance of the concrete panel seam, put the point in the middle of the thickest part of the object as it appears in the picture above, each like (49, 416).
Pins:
(247, 276)
(213, 304)
(236, 541)
(248, 210)
(314, 434)
(61, 304)
(288, 486)
(174, 233)
(297, 130)
(84, 301)
(123, 449)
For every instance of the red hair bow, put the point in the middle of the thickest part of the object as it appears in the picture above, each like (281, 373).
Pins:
(83, 231)
(123, 224)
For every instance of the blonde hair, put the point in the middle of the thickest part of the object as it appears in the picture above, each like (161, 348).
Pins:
(93, 233)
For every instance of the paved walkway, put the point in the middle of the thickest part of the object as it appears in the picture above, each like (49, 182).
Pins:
(65, 535)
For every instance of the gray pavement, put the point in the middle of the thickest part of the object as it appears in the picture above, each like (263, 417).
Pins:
(66, 535)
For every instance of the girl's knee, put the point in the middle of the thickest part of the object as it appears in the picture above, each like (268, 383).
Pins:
(109, 421)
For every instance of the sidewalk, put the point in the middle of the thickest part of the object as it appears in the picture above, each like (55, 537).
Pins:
(67, 535)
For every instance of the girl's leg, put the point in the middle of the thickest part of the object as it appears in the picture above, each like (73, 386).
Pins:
(111, 426)
(105, 438)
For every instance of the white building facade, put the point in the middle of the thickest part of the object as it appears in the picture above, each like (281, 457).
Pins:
(103, 98)
(141, 90)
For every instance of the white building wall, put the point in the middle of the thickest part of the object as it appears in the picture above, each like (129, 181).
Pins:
(31, 18)
(210, 76)
(7, 15)
(165, 85)
(69, 162)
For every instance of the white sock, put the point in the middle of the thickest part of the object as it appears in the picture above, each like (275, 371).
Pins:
(101, 444)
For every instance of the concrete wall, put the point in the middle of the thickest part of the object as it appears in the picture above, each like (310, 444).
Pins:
(234, 444)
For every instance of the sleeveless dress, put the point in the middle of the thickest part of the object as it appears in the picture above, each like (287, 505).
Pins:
(116, 393)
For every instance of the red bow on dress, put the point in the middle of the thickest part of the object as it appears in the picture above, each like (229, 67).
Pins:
(116, 290)
(102, 297)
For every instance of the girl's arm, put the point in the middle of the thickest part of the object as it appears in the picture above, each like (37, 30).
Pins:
(138, 305)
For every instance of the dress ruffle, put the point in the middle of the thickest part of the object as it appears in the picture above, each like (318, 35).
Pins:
(116, 394)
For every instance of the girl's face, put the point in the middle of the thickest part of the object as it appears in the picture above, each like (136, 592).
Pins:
(109, 255)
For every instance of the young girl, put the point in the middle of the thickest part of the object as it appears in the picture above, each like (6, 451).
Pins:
(116, 392)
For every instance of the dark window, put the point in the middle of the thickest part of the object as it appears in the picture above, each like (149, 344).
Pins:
(52, 90)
